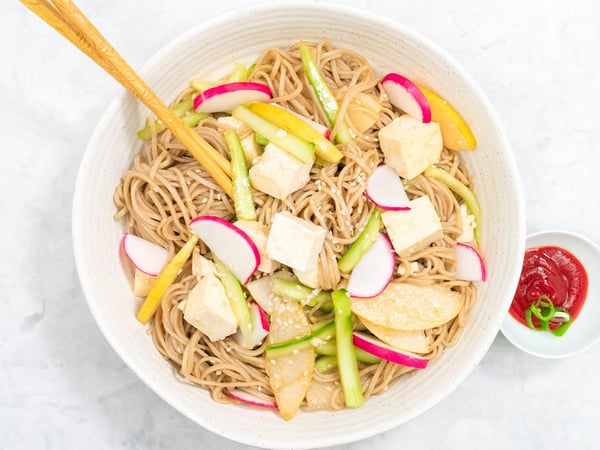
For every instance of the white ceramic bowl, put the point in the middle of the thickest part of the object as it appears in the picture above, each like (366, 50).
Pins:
(584, 332)
(206, 49)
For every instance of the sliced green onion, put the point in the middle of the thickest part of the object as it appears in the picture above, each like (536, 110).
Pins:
(545, 311)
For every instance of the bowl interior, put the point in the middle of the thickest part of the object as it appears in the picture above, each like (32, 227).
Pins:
(207, 50)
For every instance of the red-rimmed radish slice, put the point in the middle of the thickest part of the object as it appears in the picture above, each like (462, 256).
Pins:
(145, 256)
(260, 327)
(250, 399)
(406, 95)
(374, 270)
(385, 189)
(384, 351)
(469, 263)
(225, 97)
(228, 243)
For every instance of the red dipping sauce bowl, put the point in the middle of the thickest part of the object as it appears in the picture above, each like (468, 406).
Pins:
(565, 267)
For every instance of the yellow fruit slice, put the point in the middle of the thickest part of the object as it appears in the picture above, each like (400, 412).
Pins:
(411, 341)
(410, 307)
(165, 279)
(456, 134)
(287, 121)
(289, 375)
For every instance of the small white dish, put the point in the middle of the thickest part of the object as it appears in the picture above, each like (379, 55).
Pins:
(584, 332)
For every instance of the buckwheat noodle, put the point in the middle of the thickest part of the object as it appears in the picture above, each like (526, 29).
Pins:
(166, 188)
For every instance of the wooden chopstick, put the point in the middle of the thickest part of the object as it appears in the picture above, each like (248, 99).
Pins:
(66, 18)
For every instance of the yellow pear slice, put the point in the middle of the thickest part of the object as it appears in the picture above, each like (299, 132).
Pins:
(289, 375)
(410, 307)
(456, 134)
(411, 341)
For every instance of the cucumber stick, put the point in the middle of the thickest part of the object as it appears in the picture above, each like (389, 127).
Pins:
(299, 148)
(346, 352)
(237, 300)
(296, 291)
(242, 190)
(324, 96)
(363, 242)
(316, 337)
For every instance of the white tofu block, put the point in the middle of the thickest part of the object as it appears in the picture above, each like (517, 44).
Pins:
(208, 309)
(295, 242)
(259, 234)
(467, 222)
(310, 278)
(410, 146)
(414, 229)
(231, 122)
(142, 283)
(277, 173)
(202, 266)
(251, 149)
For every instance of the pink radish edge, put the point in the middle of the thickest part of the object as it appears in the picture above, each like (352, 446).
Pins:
(264, 320)
(239, 232)
(470, 264)
(368, 268)
(384, 351)
(395, 80)
(239, 88)
(156, 252)
(394, 186)
(249, 399)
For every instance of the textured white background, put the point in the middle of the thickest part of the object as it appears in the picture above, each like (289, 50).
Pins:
(61, 385)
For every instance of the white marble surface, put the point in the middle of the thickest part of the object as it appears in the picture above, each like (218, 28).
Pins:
(61, 385)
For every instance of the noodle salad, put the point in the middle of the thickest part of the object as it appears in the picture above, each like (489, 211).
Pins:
(344, 254)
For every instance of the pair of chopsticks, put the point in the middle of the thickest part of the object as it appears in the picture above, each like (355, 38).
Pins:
(66, 18)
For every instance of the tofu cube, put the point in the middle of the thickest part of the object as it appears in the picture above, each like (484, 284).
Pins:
(310, 278)
(142, 283)
(278, 173)
(410, 146)
(202, 266)
(414, 229)
(208, 309)
(467, 223)
(251, 149)
(363, 111)
(259, 234)
(295, 242)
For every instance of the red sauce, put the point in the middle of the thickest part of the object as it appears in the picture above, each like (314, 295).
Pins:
(551, 271)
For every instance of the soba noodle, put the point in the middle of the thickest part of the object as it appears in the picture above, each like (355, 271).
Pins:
(166, 188)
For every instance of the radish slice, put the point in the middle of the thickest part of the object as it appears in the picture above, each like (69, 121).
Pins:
(230, 244)
(249, 399)
(145, 256)
(260, 327)
(405, 94)
(385, 189)
(384, 351)
(469, 263)
(374, 270)
(225, 97)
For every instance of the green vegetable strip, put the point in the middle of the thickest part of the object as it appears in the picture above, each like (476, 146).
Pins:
(242, 190)
(462, 191)
(326, 99)
(330, 349)
(182, 109)
(346, 352)
(363, 242)
(237, 300)
(316, 337)
(239, 73)
(303, 150)
(296, 291)
(543, 309)
(325, 363)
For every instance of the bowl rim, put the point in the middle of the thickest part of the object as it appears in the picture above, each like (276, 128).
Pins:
(154, 61)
